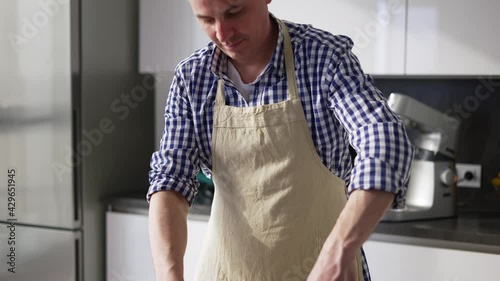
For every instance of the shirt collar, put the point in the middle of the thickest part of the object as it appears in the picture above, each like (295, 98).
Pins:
(276, 65)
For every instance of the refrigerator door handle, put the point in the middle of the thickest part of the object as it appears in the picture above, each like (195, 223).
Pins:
(78, 260)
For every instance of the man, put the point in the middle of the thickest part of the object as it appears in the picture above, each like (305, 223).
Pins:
(244, 109)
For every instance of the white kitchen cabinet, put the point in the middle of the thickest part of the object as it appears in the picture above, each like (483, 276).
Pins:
(391, 37)
(168, 33)
(128, 255)
(453, 37)
(396, 262)
(196, 236)
(377, 28)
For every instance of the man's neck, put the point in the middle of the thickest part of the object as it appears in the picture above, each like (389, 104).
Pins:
(250, 70)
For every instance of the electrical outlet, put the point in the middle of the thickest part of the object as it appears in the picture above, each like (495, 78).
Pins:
(469, 175)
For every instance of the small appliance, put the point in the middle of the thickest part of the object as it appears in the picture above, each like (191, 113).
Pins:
(433, 180)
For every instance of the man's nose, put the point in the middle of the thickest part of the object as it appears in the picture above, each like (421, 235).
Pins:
(223, 30)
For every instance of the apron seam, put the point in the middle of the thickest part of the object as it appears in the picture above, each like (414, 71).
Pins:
(259, 108)
(257, 127)
(317, 158)
(214, 140)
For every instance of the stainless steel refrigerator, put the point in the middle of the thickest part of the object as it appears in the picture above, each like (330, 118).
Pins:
(76, 126)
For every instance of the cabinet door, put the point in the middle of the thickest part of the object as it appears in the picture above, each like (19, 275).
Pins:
(453, 37)
(377, 28)
(196, 237)
(168, 33)
(396, 262)
(128, 252)
(36, 112)
(41, 254)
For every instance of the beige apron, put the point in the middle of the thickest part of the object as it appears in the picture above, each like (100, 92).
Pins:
(275, 202)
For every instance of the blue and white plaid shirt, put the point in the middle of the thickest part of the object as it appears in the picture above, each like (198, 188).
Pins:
(341, 104)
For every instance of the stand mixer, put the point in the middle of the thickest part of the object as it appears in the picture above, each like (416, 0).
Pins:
(433, 180)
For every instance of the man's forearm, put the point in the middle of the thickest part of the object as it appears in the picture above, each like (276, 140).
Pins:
(358, 219)
(168, 234)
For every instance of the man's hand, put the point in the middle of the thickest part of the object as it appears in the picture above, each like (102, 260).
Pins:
(332, 265)
(358, 219)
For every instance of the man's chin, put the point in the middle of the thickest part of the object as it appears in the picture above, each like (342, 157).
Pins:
(232, 54)
(233, 48)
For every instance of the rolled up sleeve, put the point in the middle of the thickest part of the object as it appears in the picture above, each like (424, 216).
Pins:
(377, 134)
(175, 165)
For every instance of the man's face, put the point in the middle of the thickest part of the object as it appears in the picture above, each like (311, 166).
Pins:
(238, 27)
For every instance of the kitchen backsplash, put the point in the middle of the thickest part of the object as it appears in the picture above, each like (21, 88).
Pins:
(476, 102)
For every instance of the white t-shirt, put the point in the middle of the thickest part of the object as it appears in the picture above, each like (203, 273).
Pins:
(244, 89)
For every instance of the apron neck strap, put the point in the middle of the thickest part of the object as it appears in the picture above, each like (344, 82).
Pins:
(220, 98)
(289, 65)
